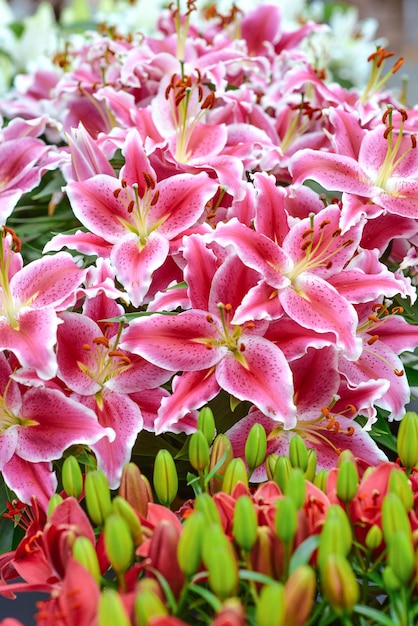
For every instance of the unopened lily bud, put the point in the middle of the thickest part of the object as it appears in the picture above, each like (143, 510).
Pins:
(271, 461)
(111, 610)
(401, 556)
(407, 440)
(320, 480)
(133, 488)
(270, 608)
(281, 472)
(220, 562)
(162, 553)
(235, 473)
(148, 605)
(312, 463)
(296, 488)
(198, 451)
(346, 455)
(72, 478)
(118, 543)
(125, 510)
(374, 537)
(347, 481)
(205, 504)
(189, 549)
(54, 501)
(232, 613)
(255, 447)
(85, 553)
(394, 517)
(220, 457)
(286, 522)
(336, 535)
(399, 484)
(244, 526)
(206, 423)
(298, 453)
(98, 501)
(300, 591)
(165, 477)
(339, 584)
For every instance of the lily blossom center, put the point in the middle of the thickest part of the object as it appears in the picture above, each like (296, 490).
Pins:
(139, 207)
(105, 361)
(395, 152)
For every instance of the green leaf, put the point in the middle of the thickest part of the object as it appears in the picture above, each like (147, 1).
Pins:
(303, 552)
(377, 616)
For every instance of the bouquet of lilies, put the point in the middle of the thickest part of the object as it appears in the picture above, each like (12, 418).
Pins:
(208, 329)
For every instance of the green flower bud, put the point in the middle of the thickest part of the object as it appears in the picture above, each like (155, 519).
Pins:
(125, 510)
(244, 526)
(394, 517)
(220, 457)
(296, 488)
(300, 592)
(134, 489)
(347, 481)
(111, 610)
(198, 451)
(72, 478)
(118, 543)
(346, 455)
(235, 473)
(270, 609)
(391, 582)
(263, 557)
(401, 556)
(165, 477)
(312, 463)
(54, 501)
(336, 535)
(374, 538)
(320, 480)
(298, 453)
(399, 484)
(271, 461)
(220, 562)
(189, 549)
(255, 447)
(286, 521)
(281, 472)
(206, 423)
(146, 606)
(98, 501)
(339, 584)
(407, 440)
(85, 553)
(204, 503)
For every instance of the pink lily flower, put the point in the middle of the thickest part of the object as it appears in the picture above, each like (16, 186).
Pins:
(137, 215)
(211, 350)
(32, 435)
(101, 377)
(30, 297)
(316, 381)
(379, 167)
(296, 275)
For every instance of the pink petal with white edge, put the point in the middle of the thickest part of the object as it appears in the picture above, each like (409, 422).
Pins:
(199, 271)
(315, 304)
(47, 282)
(136, 264)
(333, 171)
(260, 303)
(60, 423)
(400, 197)
(86, 243)
(256, 251)
(120, 413)
(33, 342)
(8, 443)
(174, 342)
(266, 381)
(30, 479)
(191, 390)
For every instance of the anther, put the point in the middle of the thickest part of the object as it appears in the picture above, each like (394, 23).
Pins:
(351, 408)
(325, 411)
(399, 372)
(331, 423)
(413, 141)
(87, 347)
(378, 307)
(242, 347)
(307, 232)
(103, 341)
(209, 101)
(117, 192)
(149, 180)
(372, 339)
(305, 245)
(324, 223)
(404, 114)
(372, 318)
(336, 233)
(388, 130)
(397, 65)
(130, 207)
(336, 427)
(209, 318)
(350, 431)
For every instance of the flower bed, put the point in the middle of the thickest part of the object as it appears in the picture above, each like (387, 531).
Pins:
(208, 285)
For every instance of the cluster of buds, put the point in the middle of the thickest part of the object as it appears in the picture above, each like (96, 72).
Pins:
(301, 544)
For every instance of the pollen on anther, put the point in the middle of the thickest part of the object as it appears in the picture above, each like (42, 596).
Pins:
(117, 192)
(387, 132)
(324, 223)
(351, 408)
(399, 372)
(104, 341)
(373, 318)
(336, 232)
(325, 411)
(305, 245)
(350, 431)
(131, 206)
(209, 318)
(413, 141)
(307, 232)
(372, 339)
(87, 347)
